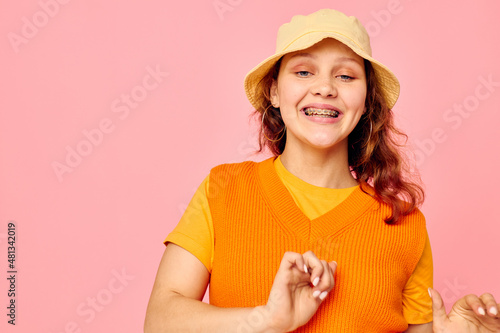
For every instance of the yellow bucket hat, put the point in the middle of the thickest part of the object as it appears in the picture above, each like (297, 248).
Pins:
(305, 31)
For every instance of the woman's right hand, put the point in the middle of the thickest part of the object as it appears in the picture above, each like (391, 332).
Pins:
(300, 286)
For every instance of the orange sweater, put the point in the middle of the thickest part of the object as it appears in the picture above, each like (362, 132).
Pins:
(256, 221)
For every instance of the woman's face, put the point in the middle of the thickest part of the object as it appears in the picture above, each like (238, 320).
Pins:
(321, 94)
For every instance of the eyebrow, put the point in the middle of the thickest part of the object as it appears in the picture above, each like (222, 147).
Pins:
(309, 55)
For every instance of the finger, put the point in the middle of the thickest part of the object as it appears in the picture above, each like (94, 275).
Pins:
(476, 304)
(439, 315)
(333, 266)
(291, 259)
(326, 281)
(490, 304)
(315, 267)
(330, 271)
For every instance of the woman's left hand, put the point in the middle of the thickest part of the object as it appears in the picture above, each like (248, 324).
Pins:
(470, 314)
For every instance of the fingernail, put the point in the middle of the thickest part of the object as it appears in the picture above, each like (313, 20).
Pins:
(316, 280)
(305, 268)
(429, 290)
(316, 293)
(493, 310)
(323, 295)
(481, 311)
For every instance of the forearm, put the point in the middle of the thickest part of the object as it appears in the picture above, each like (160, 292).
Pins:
(183, 314)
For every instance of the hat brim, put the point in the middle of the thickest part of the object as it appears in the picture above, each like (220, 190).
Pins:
(389, 83)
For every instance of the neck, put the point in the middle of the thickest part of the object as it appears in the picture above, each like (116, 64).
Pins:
(320, 167)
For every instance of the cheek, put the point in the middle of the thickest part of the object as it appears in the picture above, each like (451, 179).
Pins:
(356, 98)
(291, 93)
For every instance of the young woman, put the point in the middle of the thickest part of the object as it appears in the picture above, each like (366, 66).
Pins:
(326, 235)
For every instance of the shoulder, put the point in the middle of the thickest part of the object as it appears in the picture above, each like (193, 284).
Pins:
(231, 170)
(236, 167)
(229, 175)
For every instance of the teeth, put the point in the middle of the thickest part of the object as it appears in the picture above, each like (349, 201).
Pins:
(321, 112)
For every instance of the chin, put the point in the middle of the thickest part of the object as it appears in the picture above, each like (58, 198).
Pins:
(324, 145)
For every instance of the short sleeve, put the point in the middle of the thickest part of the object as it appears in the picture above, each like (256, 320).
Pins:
(194, 232)
(417, 305)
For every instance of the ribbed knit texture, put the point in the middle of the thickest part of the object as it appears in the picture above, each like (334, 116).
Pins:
(256, 221)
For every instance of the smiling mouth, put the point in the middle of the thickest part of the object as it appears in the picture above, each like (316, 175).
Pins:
(325, 113)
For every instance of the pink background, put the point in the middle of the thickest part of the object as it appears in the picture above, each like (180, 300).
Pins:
(111, 213)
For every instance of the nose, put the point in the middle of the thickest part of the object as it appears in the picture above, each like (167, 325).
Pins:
(325, 87)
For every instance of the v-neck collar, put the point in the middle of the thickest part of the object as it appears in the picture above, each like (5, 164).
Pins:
(291, 217)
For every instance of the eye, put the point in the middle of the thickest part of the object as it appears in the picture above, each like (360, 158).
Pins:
(346, 77)
(301, 72)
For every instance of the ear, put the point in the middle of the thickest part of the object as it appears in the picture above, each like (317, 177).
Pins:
(275, 100)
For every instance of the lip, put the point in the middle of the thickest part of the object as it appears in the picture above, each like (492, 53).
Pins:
(321, 106)
(321, 120)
